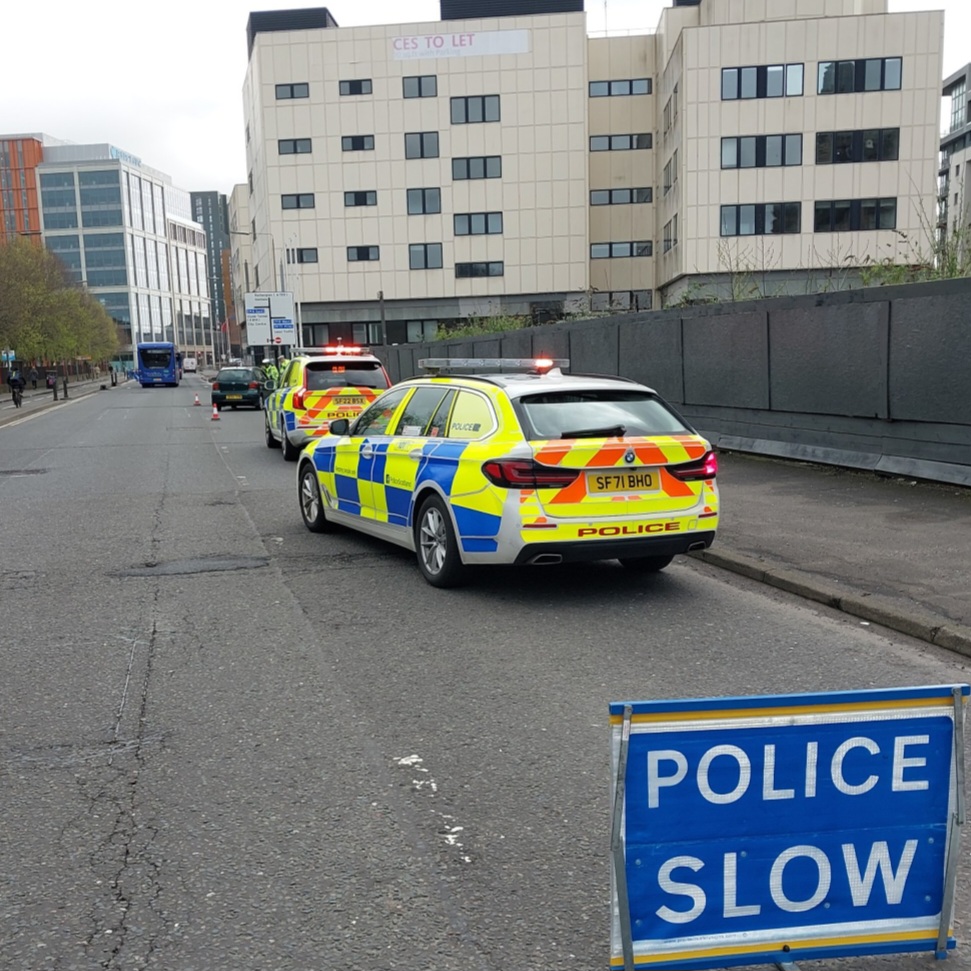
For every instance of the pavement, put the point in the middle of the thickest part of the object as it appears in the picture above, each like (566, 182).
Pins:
(889, 550)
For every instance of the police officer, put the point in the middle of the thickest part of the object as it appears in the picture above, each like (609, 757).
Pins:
(270, 370)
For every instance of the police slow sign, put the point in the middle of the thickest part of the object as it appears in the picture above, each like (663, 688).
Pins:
(769, 829)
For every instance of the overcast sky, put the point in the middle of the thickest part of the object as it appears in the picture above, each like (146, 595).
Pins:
(163, 81)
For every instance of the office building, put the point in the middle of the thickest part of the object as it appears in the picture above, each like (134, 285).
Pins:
(122, 230)
(211, 211)
(953, 212)
(500, 161)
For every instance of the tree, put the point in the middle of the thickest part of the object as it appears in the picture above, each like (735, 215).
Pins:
(43, 313)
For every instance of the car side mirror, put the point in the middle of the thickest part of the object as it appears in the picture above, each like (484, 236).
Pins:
(339, 426)
(269, 385)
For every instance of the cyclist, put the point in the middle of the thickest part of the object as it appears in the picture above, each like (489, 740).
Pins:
(16, 381)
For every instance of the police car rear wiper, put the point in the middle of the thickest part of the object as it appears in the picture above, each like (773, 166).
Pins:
(611, 431)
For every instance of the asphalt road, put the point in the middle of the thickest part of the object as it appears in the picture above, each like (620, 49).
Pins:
(228, 743)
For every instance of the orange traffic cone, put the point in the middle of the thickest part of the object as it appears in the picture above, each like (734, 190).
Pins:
(197, 401)
(215, 413)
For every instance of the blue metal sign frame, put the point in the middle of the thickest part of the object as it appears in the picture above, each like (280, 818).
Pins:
(771, 829)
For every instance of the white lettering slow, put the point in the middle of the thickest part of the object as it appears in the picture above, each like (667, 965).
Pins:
(732, 907)
(861, 886)
(690, 890)
(824, 878)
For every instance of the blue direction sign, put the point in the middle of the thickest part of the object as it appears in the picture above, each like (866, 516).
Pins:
(769, 829)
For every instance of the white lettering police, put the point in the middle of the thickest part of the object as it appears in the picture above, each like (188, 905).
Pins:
(884, 774)
(668, 768)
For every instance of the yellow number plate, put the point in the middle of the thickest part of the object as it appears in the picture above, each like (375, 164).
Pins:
(234, 397)
(623, 480)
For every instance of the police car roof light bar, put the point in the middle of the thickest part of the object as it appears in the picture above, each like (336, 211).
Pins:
(332, 349)
(540, 365)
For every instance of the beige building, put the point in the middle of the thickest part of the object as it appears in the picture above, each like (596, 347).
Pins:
(409, 175)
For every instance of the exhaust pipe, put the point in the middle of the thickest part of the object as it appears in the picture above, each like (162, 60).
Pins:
(546, 559)
(697, 546)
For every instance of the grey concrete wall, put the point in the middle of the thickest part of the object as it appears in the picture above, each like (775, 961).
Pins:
(878, 378)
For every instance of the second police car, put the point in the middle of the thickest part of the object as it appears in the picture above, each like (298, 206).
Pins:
(516, 467)
(316, 387)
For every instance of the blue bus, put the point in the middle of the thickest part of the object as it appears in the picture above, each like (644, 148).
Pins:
(158, 362)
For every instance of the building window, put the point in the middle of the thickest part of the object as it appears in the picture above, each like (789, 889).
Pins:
(617, 251)
(620, 143)
(761, 151)
(420, 86)
(286, 91)
(763, 219)
(671, 110)
(862, 74)
(421, 144)
(363, 254)
(670, 175)
(477, 167)
(357, 143)
(469, 111)
(369, 197)
(303, 200)
(422, 201)
(464, 271)
(307, 254)
(959, 104)
(670, 239)
(620, 197)
(362, 86)
(612, 89)
(849, 215)
(477, 223)
(419, 331)
(621, 300)
(762, 81)
(294, 146)
(425, 256)
(865, 145)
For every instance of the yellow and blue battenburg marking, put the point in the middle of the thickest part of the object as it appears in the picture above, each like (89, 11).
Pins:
(392, 492)
(784, 828)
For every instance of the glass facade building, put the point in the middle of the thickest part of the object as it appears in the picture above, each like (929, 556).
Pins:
(126, 233)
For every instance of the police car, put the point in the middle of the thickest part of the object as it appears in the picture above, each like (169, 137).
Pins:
(526, 465)
(317, 386)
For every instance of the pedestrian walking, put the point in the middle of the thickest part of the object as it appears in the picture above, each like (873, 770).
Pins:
(33, 378)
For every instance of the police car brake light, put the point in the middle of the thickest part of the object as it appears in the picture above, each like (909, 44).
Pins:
(298, 397)
(695, 471)
(525, 474)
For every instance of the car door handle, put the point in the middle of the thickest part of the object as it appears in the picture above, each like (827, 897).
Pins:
(415, 454)
(367, 451)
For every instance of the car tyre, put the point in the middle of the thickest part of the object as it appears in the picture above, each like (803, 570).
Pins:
(290, 451)
(436, 546)
(311, 503)
(271, 442)
(646, 564)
